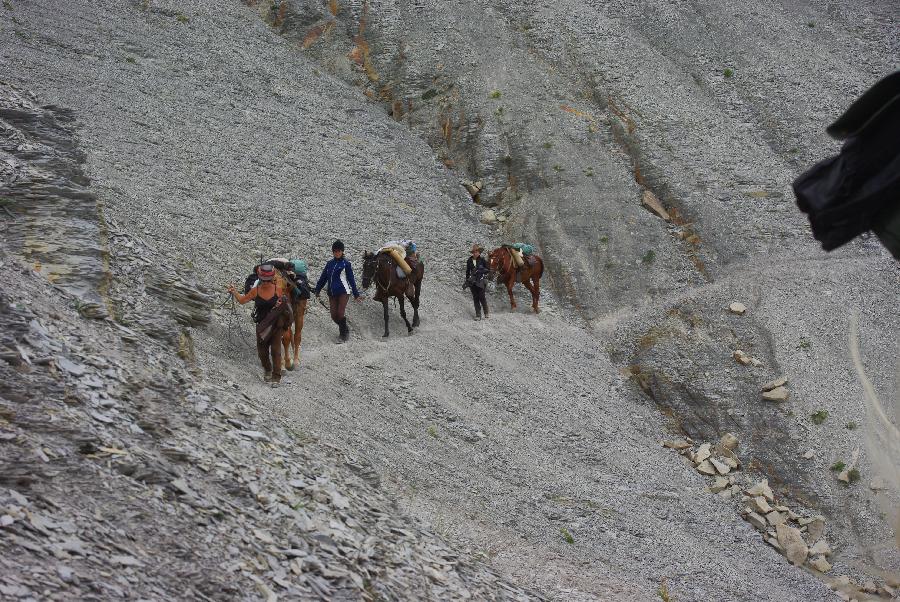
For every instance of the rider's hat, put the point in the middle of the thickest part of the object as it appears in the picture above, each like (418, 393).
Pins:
(266, 272)
(477, 247)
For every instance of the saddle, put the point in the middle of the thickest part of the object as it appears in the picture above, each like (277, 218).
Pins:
(397, 253)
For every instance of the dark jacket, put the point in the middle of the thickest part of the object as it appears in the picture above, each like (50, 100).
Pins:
(338, 275)
(476, 269)
(858, 189)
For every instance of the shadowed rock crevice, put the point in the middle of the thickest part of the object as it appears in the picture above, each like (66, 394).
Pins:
(53, 220)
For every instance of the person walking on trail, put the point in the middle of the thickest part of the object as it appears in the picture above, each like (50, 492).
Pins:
(476, 280)
(272, 315)
(338, 276)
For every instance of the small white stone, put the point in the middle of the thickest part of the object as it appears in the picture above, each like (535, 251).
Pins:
(737, 308)
(706, 468)
(820, 564)
(762, 488)
(778, 382)
(776, 394)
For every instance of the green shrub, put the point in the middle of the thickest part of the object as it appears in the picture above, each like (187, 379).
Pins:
(729, 72)
(496, 94)
(567, 537)
(819, 416)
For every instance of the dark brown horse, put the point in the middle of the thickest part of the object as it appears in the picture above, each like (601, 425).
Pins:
(381, 269)
(504, 267)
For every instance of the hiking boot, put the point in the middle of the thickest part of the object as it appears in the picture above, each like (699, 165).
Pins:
(344, 330)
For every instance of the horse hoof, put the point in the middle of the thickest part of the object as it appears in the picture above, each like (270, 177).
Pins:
(290, 367)
(385, 335)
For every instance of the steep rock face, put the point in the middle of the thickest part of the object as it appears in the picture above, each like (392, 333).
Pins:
(567, 114)
(56, 224)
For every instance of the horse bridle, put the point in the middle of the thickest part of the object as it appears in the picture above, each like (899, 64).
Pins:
(501, 272)
(378, 285)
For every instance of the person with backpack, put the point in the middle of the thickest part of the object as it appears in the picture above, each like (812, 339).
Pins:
(476, 280)
(338, 276)
(272, 314)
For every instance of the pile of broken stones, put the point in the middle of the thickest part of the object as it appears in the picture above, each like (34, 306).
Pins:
(798, 536)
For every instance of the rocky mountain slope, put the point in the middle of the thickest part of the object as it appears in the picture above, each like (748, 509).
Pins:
(170, 143)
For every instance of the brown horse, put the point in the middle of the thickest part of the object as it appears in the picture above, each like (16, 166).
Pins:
(292, 337)
(381, 269)
(504, 267)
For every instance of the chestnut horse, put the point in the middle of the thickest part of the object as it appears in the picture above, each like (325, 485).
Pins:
(381, 269)
(292, 336)
(504, 267)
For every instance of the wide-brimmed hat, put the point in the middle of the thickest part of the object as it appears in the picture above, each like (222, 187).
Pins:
(266, 272)
(477, 247)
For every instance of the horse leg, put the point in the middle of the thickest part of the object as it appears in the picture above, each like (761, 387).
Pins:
(415, 304)
(403, 314)
(532, 288)
(286, 345)
(509, 288)
(536, 294)
(298, 329)
(384, 303)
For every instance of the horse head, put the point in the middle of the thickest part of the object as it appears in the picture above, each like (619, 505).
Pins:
(370, 266)
(496, 263)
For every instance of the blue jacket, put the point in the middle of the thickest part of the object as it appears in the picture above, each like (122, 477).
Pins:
(339, 275)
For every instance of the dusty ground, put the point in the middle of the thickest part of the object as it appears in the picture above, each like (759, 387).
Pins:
(211, 135)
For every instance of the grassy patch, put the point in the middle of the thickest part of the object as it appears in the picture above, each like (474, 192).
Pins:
(496, 94)
(558, 167)
(604, 239)
(729, 72)
(838, 466)
(432, 430)
(853, 475)
(851, 426)
(811, 24)
(663, 592)
(181, 18)
(649, 257)
(429, 94)
(804, 344)
(130, 59)
(548, 145)
(819, 417)
(589, 172)
(567, 537)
